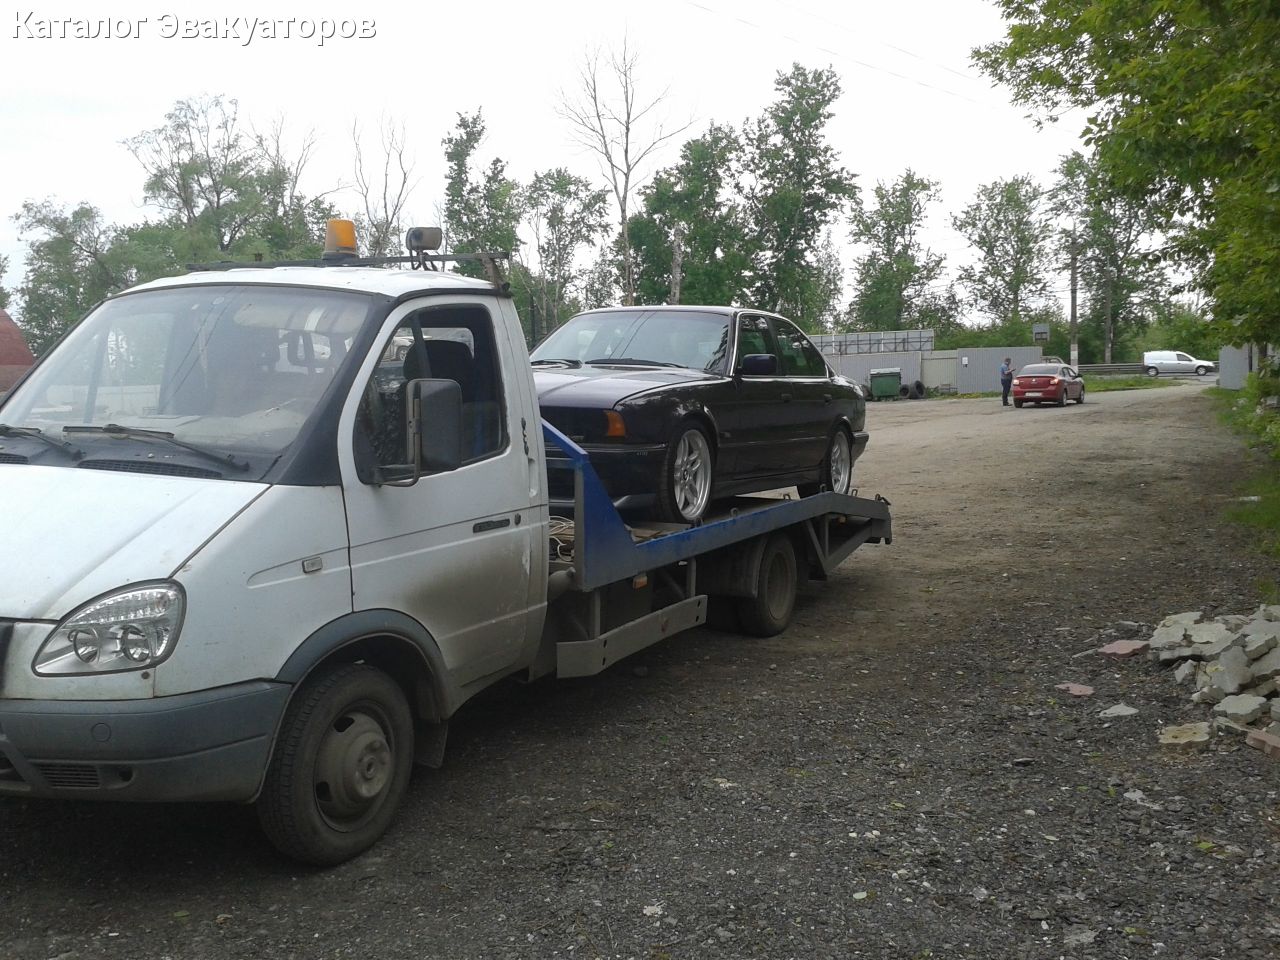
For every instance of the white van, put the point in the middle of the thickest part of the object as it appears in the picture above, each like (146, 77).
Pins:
(1156, 362)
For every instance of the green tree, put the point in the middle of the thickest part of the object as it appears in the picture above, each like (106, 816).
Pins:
(794, 188)
(693, 202)
(482, 210)
(4, 293)
(894, 278)
(1008, 227)
(1183, 106)
(566, 216)
(73, 262)
(1113, 239)
(231, 192)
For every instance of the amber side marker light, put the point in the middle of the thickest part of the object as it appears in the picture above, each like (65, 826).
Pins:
(615, 427)
(340, 240)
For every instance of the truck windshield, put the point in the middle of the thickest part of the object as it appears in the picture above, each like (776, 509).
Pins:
(233, 369)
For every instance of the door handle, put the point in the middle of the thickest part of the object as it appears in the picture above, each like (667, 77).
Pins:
(786, 398)
(826, 398)
(485, 525)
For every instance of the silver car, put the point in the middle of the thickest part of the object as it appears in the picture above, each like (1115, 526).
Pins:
(1156, 362)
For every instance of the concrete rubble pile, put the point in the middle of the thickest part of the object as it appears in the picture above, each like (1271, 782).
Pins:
(1231, 663)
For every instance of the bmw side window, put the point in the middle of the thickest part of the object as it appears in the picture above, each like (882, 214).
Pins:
(754, 337)
(797, 356)
(439, 343)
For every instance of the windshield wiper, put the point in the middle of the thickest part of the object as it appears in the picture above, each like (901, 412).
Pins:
(115, 430)
(74, 452)
(605, 361)
(567, 363)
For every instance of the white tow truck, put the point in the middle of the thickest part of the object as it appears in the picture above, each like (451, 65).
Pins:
(267, 527)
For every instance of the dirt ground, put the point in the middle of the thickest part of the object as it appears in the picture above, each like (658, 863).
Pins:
(895, 776)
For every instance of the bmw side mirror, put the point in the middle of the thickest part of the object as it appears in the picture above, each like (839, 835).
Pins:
(433, 430)
(759, 365)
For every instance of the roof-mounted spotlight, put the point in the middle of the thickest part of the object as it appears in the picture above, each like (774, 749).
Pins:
(422, 239)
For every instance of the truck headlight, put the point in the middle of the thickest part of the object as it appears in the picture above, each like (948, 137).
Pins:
(129, 630)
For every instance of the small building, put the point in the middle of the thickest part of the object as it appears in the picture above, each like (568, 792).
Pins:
(15, 356)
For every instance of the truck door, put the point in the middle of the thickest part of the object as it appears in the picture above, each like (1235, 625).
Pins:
(454, 550)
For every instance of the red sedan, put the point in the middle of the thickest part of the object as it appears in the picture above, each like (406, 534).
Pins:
(1047, 383)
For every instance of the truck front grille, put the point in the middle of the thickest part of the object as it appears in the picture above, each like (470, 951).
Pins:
(70, 776)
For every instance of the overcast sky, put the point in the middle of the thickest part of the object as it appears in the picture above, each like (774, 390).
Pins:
(910, 98)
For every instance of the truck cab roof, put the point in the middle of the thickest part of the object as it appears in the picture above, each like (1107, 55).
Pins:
(378, 280)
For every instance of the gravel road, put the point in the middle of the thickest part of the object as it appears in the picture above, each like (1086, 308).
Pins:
(896, 776)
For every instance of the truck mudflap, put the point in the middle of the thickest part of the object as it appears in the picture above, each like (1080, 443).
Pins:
(208, 745)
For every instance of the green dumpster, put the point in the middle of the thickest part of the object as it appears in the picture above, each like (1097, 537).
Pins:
(885, 383)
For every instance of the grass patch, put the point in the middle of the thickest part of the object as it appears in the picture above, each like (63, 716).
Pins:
(1107, 384)
(1245, 413)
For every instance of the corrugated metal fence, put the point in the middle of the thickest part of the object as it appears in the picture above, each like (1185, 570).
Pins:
(970, 370)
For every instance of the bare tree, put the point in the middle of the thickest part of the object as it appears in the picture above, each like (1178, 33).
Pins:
(383, 196)
(608, 117)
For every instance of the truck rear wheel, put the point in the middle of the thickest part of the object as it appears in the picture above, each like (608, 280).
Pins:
(769, 611)
(340, 767)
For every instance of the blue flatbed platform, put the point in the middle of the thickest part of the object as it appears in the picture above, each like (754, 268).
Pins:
(606, 550)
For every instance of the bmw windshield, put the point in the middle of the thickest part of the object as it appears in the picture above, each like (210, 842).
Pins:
(181, 379)
(661, 338)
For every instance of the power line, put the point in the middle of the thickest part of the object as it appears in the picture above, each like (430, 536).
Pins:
(774, 32)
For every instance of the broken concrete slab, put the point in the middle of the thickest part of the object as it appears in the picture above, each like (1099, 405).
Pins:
(1075, 689)
(1232, 621)
(1267, 742)
(1228, 674)
(1211, 651)
(1186, 736)
(1225, 727)
(1182, 619)
(1240, 708)
(1185, 674)
(1165, 637)
(1258, 644)
(1119, 710)
(1123, 649)
(1209, 633)
(1269, 612)
(1266, 688)
(1275, 709)
(1261, 628)
(1267, 666)
(1172, 654)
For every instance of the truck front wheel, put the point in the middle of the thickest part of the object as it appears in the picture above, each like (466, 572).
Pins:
(769, 611)
(340, 767)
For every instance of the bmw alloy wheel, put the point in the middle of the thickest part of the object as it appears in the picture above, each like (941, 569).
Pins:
(691, 474)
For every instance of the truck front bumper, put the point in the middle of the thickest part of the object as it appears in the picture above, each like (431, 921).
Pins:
(208, 745)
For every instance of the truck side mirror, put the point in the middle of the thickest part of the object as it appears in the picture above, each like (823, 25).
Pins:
(759, 365)
(433, 432)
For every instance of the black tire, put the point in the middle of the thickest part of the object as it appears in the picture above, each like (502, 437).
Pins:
(670, 497)
(354, 720)
(769, 611)
(1017, 403)
(1201, 371)
(1080, 399)
(1062, 398)
(825, 481)
(904, 392)
(917, 390)
(1152, 372)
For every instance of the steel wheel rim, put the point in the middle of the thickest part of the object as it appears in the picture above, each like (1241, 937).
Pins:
(841, 468)
(692, 474)
(355, 766)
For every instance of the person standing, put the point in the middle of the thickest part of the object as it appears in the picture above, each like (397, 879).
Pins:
(1006, 380)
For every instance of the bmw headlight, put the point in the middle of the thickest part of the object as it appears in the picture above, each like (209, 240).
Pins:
(129, 630)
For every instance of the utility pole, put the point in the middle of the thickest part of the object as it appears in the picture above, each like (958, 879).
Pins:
(1109, 279)
(1075, 330)
(677, 261)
